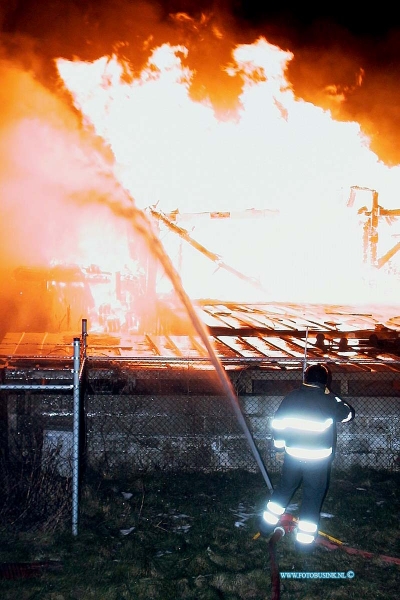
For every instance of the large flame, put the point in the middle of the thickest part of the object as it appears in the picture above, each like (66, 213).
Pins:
(278, 153)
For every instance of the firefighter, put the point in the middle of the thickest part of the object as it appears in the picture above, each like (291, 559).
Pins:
(304, 431)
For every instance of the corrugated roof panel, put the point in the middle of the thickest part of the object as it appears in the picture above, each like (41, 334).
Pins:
(306, 347)
(222, 350)
(208, 319)
(252, 319)
(35, 344)
(264, 348)
(239, 346)
(188, 346)
(350, 334)
(285, 346)
(161, 345)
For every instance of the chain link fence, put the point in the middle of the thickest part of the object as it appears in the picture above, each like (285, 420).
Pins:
(40, 410)
(136, 418)
(36, 459)
(179, 419)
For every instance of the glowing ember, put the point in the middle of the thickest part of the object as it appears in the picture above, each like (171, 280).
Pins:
(278, 153)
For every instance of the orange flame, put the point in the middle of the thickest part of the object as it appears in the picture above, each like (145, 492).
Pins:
(278, 153)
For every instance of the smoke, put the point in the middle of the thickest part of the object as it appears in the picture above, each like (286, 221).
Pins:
(46, 160)
(343, 61)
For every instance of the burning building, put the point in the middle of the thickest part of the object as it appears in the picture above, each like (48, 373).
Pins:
(157, 125)
(177, 168)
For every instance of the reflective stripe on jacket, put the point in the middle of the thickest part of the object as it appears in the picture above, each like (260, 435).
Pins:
(305, 422)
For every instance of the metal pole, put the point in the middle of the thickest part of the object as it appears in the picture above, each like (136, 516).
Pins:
(84, 337)
(75, 438)
(305, 355)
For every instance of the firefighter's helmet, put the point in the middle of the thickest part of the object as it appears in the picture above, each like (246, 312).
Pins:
(316, 374)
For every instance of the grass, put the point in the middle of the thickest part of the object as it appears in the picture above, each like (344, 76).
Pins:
(163, 536)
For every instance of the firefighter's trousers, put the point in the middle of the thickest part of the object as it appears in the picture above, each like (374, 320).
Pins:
(314, 477)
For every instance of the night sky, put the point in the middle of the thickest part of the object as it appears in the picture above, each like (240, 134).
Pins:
(338, 51)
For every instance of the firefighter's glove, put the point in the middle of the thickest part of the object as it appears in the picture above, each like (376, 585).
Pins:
(280, 457)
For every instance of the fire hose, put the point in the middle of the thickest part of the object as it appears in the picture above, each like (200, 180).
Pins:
(275, 576)
(287, 524)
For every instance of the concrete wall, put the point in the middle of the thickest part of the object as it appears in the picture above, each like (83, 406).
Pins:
(175, 427)
(203, 433)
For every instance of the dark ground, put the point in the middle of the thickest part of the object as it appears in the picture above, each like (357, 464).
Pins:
(193, 536)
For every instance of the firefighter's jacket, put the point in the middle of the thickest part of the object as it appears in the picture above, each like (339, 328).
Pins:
(305, 423)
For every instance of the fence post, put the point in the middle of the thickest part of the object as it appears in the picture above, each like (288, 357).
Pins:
(75, 438)
(84, 337)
